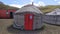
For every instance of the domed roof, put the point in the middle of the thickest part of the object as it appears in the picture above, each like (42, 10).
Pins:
(29, 8)
(54, 12)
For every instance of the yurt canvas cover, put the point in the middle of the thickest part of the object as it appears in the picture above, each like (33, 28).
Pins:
(53, 17)
(19, 18)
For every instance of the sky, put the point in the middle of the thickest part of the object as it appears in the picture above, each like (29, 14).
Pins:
(20, 3)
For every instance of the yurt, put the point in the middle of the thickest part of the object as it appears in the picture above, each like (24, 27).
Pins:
(28, 17)
(53, 17)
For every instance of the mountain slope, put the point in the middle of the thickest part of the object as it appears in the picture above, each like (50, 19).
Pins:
(49, 8)
(3, 6)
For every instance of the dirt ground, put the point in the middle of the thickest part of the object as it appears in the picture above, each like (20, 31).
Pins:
(6, 23)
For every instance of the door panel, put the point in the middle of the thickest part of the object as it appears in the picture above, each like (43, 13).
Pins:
(28, 22)
(26, 26)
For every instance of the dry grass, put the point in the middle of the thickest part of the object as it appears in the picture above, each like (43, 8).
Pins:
(5, 23)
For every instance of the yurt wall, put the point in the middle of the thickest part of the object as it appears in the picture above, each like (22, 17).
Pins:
(38, 22)
(19, 20)
(52, 17)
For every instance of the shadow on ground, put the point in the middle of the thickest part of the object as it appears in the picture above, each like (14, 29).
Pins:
(17, 31)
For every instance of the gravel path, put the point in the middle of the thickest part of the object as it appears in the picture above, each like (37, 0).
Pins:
(6, 23)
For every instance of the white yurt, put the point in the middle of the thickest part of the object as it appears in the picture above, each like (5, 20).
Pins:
(28, 17)
(53, 17)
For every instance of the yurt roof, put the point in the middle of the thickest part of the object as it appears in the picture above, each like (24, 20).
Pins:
(54, 12)
(29, 8)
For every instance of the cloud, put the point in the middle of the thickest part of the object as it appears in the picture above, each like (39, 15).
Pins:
(31, 0)
(40, 3)
(15, 1)
(55, 0)
(16, 5)
(58, 2)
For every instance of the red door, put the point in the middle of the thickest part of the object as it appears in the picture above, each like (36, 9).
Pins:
(28, 22)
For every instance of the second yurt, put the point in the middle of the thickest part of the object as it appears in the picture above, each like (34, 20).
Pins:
(53, 17)
(28, 17)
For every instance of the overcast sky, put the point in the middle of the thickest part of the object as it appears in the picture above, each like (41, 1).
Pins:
(20, 3)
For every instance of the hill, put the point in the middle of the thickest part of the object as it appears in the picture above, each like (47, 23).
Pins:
(48, 8)
(3, 6)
